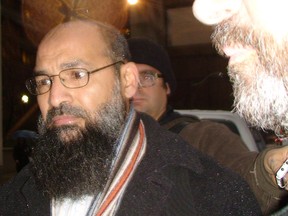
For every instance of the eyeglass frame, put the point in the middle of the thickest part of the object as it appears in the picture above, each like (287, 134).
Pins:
(28, 81)
(155, 77)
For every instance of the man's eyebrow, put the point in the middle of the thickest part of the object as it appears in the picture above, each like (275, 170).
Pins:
(65, 65)
(39, 72)
(74, 63)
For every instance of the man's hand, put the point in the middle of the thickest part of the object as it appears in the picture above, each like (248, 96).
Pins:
(273, 160)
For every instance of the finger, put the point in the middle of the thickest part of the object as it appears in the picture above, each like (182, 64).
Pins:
(285, 180)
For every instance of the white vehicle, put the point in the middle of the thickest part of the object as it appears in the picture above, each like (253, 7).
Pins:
(251, 137)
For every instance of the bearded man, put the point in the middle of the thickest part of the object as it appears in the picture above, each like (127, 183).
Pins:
(254, 35)
(96, 155)
(251, 34)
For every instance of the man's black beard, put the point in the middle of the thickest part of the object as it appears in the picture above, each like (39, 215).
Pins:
(78, 166)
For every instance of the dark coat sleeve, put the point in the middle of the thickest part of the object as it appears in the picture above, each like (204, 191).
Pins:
(221, 193)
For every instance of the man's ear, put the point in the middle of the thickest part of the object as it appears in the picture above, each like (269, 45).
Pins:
(129, 79)
(168, 90)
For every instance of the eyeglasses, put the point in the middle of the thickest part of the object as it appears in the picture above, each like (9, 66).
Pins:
(70, 78)
(148, 78)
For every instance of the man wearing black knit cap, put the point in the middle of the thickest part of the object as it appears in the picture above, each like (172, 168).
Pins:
(147, 52)
(157, 82)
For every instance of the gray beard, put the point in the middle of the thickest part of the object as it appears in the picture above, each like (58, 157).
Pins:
(78, 166)
(264, 103)
(260, 82)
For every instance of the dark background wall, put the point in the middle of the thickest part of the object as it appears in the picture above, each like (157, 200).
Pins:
(202, 79)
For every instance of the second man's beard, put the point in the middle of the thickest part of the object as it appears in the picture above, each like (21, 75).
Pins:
(78, 166)
(260, 80)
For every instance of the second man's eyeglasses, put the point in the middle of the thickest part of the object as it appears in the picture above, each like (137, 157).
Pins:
(148, 78)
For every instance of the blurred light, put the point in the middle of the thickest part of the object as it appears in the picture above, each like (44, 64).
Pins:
(132, 2)
(25, 58)
(25, 99)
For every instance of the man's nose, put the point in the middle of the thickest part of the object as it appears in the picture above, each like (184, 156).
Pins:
(211, 12)
(59, 93)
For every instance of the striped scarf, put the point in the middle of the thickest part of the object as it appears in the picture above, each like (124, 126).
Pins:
(131, 148)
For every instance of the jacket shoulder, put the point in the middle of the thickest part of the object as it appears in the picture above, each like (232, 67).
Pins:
(20, 196)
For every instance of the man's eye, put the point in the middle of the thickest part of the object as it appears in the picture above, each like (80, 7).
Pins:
(42, 82)
(146, 76)
(77, 74)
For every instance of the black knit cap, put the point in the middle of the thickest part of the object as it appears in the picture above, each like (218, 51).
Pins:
(145, 51)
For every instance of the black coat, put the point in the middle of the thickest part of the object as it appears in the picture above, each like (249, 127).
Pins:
(172, 179)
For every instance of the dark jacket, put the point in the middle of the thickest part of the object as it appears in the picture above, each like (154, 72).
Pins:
(172, 179)
(219, 142)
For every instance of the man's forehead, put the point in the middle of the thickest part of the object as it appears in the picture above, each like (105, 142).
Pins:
(77, 32)
(71, 47)
(72, 26)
